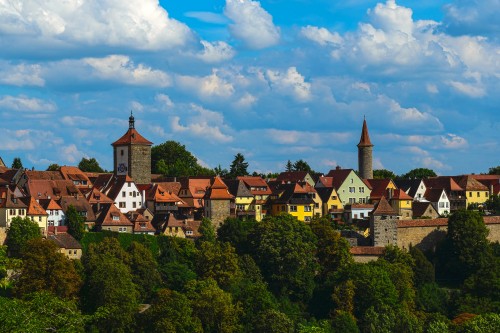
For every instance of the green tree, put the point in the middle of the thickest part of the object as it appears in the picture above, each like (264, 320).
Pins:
(53, 167)
(273, 321)
(383, 174)
(284, 248)
(44, 268)
(344, 322)
(218, 261)
(423, 269)
(76, 223)
(170, 312)
(16, 163)
(481, 324)
(221, 172)
(89, 165)
(236, 231)
(419, 173)
(493, 204)
(238, 166)
(494, 170)
(144, 269)
(40, 312)
(21, 230)
(172, 159)
(302, 165)
(289, 166)
(207, 231)
(214, 307)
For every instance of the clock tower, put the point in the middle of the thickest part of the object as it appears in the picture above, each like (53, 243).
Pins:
(132, 155)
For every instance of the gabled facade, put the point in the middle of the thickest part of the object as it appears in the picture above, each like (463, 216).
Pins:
(122, 190)
(330, 202)
(402, 204)
(243, 199)
(261, 192)
(142, 225)
(56, 216)
(10, 207)
(350, 188)
(415, 188)
(160, 200)
(294, 200)
(476, 193)
(112, 219)
(67, 244)
(380, 188)
(295, 177)
(83, 208)
(424, 209)
(455, 193)
(37, 214)
(192, 192)
(439, 199)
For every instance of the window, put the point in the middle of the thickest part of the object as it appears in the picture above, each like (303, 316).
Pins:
(361, 215)
(121, 152)
(352, 189)
(316, 205)
(352, 180)
(307, 219)
(293, 208)
(334, 197)
(121, 204)
(133, 205)
(134, 194)
(124, 194)
(51, 212)
(57, 212)
(487, 194)
(470, 194)
(407, 202)
(39, 219)
(129, 184)
(240, 207)
(361, 189)
(441, 205)
(12, 212)
(478, 194)
(116, 218)
(21, 211)
(352, 200)
(307, 208)
(355, 216)
(282, 208)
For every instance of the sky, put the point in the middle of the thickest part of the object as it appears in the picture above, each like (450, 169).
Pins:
(274, 80)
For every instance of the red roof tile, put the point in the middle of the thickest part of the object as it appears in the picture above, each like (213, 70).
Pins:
(131, 137)
(364, 141)
(218, 190)
(367, 250)
(383, 208)
(399, 194)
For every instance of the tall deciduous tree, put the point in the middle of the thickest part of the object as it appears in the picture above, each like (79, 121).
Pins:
(89, 165)
(21, 230)
(383, 174)
(76, 223)
(218, 261)
(53, 167)
(44, 268)
(173, 159)
(238, 166)
(144, 269)
(494, 170)
(16, 163)
(419, 173)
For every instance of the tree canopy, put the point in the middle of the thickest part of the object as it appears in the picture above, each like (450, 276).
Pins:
(89, 165)
(21, 230)
(494, 170)
(53, 167)
(76, 223)
(238, 166)
(383, 174)
(419, 173)
(173, 159)
(16, 163)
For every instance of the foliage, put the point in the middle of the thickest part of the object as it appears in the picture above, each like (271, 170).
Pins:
(344, 322)
(273, 321)
(482, 289)
(423, 270)
(481, 324)
(238, 166)
(302, 165)
(44, 268)
(236, 231)
(76, 223)
(383, 174)
(175, 275)
(214, 307)
(172, 159)
(494, 170)
(125, 240)
(21, 230)
(16, 163)
(40, 312)
(284, 248)
(89, 165)
(221, 172)
(493, 204)
(431, 298)
(170, 312)
(144, 269)
(218, 261)
(207, 231)
(289, 166)
(419, 173)
(53, 167)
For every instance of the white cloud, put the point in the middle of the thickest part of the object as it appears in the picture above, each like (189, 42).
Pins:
(120, 68)
(290, 137)
(252, 24)
(28, 139)
(470, 90)
(139, 24)
(24, 103)
(290, 83)
(71, 154)
(164, 100)
(246, 101)
(321, 35)
(208, 17)
(453, 141)
(432, 88)
(215, 52)
(207, 86)
(21, 75)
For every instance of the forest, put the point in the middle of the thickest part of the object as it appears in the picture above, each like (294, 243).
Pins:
(277, 275)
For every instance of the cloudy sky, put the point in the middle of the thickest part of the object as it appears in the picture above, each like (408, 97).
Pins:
(275, 80)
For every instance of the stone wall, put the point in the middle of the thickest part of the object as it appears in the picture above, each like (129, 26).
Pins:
(140, 163)
(365, 163)
(219, 211)
(383, 230)
(3, 235)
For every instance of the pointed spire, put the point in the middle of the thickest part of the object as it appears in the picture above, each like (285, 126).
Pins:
(131, 121)
(364, 141)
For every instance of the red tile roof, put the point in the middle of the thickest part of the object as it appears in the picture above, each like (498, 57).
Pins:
(43, 175)
(326, 181)
(468, 183)
(367, 250)
(292, 176)
(446, 182)
(434, 194)
(339, 176)
(399, 194)
(111, 216)
(34, 208)
(383, 208)
(378, 186)
(95, 197)
(131, 137)
(218, 190)
(422, 223)
(256, 185)
(364, 141)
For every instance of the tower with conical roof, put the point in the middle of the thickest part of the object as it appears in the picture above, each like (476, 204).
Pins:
(132, 155)
(365, 152)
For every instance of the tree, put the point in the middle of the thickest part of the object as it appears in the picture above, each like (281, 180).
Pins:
(89, 165)
(76, 223)
(44, 268)
(16, 163)
(419, 173)
(218, 261)
(144, 269)
(171, 312)
(284, 248)
(53, 167)
(383, 174)
(238, 166)
(236, 231)
(494, 170)
(21, 230)
(273, 321)
(221, 172)
(493, 204)
(172, 159)
(207, 231)
(213, 306)
(302, 165)
(423, 268)
(289, 166)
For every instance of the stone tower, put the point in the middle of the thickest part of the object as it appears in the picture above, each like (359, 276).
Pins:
(383, 224)
(365, 150)
(132, 155)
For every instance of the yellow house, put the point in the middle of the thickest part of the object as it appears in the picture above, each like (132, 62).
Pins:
(294, 200)
(331, 204)
(402, 204)
(10, 207)
(37, 214)
(380, 188)
(476, 193)
(242, 207)
(261, 193)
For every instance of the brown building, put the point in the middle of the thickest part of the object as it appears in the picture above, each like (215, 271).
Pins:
(132, 155)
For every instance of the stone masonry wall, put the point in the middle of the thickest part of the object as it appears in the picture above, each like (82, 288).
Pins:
(365, 163)
(220, 210)
(424, 238)
(140, 164)
(384, 231)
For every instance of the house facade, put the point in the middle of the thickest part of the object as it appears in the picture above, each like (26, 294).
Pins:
(350, 188)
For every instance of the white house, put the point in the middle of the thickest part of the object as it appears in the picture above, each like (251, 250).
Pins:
(439, 199)
(55, 211)
(122, 190)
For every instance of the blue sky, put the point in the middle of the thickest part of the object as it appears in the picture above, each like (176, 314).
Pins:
(274, 80)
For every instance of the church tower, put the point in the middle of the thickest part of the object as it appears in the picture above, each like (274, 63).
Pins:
(132, 155)
(365, 152)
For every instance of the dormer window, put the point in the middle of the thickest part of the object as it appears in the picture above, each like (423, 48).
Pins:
(116, 218)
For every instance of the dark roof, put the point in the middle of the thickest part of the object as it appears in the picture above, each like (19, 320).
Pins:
(8, 200)
(469, 183)
(378, 186)
(339, 176)
(364, 141)
(65, 241)
(325, 193)
(81, 205)
(237, 188)
(383, 208)
(433, 194)
(292, 176)
(420, 208)
(107, 214)
(446, 182)
(410, 186)
(292, 196)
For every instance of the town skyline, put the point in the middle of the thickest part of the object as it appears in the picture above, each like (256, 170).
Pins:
(295, 86)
